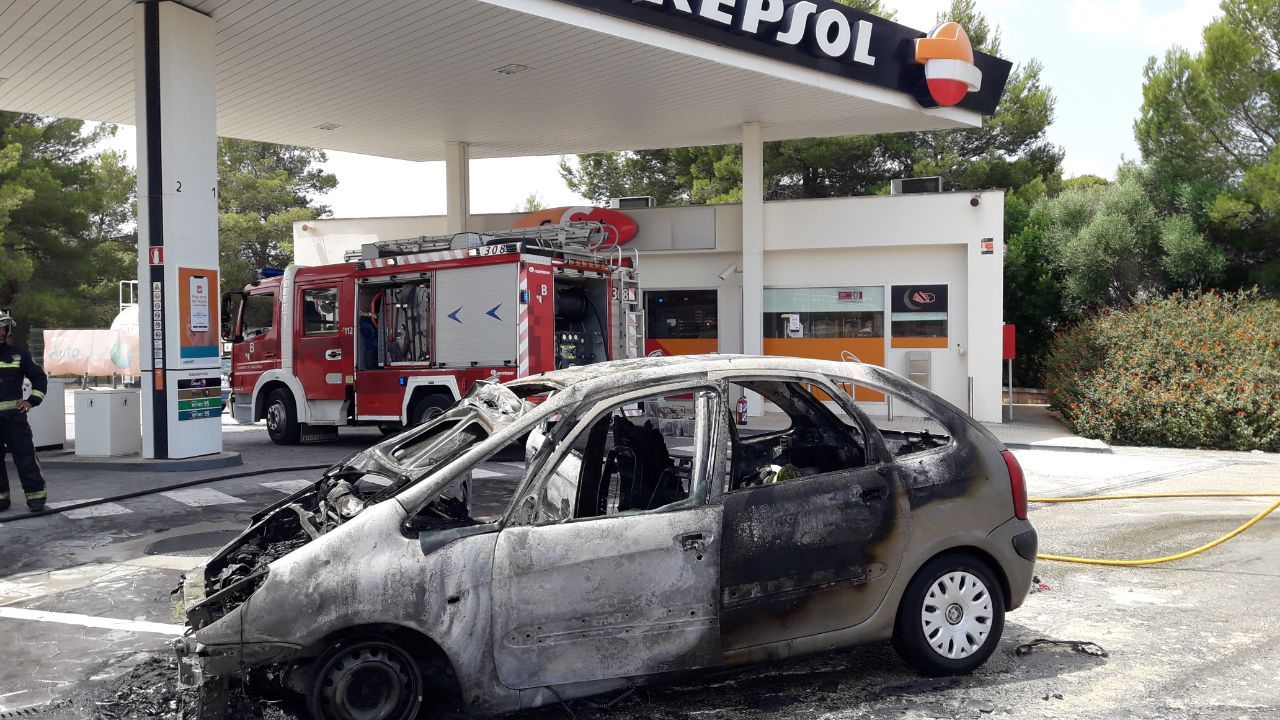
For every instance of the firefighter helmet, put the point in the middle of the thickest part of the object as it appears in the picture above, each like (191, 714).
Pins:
(7, 321)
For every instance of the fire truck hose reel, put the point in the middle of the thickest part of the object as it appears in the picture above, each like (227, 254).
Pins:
(572, 304)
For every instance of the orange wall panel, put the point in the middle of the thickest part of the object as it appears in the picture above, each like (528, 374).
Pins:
(868, 350)
(696, 346)
(911, 343)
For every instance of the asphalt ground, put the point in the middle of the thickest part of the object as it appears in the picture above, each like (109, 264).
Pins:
(83, 603)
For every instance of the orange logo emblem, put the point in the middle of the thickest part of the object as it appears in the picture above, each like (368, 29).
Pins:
(947, 56)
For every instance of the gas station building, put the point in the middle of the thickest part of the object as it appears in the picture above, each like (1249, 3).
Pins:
(431, 80)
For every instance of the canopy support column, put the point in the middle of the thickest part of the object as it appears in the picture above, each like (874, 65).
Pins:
(753, 248)
(457, 171)
(177, 231)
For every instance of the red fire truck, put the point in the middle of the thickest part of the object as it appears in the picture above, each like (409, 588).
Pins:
(405, 328)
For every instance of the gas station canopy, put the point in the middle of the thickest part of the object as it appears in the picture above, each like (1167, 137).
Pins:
(400, 78)
(451, 80)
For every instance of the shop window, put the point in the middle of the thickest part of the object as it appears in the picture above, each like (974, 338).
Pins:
(919, 316)
(680, 314)
(824, 312)
(257, 315)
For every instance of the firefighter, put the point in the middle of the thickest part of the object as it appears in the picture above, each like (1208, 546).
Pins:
(15, 433)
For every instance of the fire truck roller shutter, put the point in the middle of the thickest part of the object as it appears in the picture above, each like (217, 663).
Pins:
(475, 315)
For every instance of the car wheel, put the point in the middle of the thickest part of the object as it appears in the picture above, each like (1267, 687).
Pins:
(429, 407)
(365, 679)
(282, 418)
(951, 616)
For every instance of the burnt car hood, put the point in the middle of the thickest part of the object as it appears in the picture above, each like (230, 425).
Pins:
(338, 496)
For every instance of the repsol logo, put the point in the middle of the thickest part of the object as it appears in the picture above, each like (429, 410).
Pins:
(828, 33)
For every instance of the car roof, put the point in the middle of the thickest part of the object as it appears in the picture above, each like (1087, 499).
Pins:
(602, 379)
(677, 366)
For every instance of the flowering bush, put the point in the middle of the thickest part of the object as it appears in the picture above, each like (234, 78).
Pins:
(1185, 371)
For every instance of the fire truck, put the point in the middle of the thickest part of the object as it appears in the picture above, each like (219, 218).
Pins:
(405, 327)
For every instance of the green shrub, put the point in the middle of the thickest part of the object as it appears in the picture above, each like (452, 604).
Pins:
(1185, 371)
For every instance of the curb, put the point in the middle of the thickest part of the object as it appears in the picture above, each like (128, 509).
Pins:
(1060, 448)
(133, 463)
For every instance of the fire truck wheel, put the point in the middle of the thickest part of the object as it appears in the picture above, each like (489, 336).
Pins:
(429, 407)
(282, 418)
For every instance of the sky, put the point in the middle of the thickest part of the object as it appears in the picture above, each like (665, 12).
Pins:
(1093, 52)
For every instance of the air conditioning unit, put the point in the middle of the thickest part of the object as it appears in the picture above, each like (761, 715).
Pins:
(630, 203)
(915, 186)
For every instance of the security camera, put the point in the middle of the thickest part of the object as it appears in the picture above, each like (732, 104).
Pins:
(975, 201)
(729, 270)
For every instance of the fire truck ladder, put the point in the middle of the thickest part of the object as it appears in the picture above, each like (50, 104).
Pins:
(628, 324)
(583, 239)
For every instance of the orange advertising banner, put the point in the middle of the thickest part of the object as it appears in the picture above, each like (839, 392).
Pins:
(90, 352)
(198, 313)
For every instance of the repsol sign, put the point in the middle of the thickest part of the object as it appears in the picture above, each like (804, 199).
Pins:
(828, 37)
(825, 33)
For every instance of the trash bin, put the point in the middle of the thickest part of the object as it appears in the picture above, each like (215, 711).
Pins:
(108, 422)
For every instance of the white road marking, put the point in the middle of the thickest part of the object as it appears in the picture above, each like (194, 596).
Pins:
(288, 487)
(482, 473)
(25, 588)
(101, 510)
(91, 621)
(200, 497)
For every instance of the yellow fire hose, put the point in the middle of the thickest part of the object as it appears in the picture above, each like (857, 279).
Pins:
(1140, 496)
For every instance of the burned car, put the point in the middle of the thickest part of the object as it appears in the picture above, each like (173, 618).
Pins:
(642, 532)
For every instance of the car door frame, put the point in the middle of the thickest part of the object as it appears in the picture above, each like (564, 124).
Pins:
(766, 595)
(595, 628)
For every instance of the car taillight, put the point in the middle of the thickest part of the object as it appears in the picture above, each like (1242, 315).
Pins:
(1017, 485)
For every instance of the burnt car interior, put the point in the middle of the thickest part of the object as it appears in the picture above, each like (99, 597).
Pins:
(912, 430)
(628, 460)
(816, 441)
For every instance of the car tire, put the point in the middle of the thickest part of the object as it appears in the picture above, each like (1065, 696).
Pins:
(429, 407)
(282, 418)
(951, 616)
(366, 678)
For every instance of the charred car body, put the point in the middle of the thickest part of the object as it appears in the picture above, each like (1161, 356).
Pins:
(644, 534)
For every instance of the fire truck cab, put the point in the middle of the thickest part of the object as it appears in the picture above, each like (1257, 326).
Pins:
(406, 327)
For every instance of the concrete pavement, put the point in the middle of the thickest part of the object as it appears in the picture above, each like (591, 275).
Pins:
(85, 595)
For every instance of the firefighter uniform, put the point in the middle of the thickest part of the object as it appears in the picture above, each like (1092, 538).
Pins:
(15, 433)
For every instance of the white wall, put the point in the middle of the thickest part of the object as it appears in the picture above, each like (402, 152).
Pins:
(879, 240)
(326, 241)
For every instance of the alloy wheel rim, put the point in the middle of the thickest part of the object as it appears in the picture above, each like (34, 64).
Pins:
(957, 614)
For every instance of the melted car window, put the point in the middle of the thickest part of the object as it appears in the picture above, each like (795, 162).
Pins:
(806, 438)
(445, 441)
(907, 429)
(638, 456)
